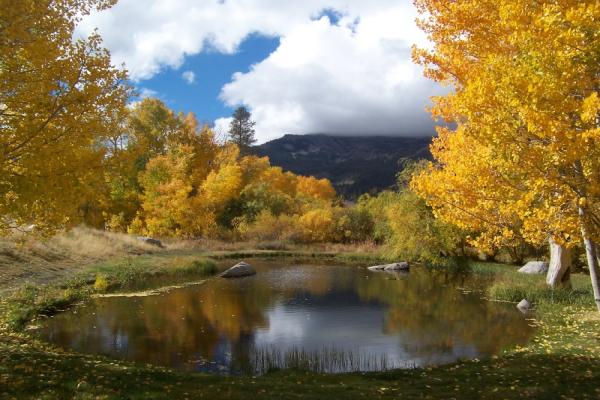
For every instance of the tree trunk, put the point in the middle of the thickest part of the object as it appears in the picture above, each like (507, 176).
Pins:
(592, 258)
(559, 270)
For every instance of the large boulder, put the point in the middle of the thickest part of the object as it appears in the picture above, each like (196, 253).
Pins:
(534, 267)
(399, 266)
(239, 270)
(150, 241)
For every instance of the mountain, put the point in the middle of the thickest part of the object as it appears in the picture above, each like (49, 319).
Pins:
(354, 164)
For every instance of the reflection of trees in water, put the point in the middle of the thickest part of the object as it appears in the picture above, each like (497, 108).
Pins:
(209, 321)
(428, 306)
(183, 325)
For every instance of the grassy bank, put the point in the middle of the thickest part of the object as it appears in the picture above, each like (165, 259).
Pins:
(560, 362)
(27, 259)
(27, 303)
(30, 260)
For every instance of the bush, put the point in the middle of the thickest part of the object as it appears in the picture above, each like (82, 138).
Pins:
(101, 284)
(352, 225)
(377, 207)
(268, 227)
(318, 226)
(417, 235)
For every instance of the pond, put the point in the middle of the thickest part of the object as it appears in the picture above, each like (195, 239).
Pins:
(325, 318)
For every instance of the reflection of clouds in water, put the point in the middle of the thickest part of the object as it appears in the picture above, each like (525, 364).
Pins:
(355, 328)
(283, 325)
(420, 319)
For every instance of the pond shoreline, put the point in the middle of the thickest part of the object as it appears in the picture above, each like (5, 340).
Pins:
(566, 347)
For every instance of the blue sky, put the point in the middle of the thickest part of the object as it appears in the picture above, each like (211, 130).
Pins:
(313, 66)
(212, 70)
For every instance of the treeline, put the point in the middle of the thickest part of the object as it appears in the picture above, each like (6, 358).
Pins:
(74, 149)
(166, 175)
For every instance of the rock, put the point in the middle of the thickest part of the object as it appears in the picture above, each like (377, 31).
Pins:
(149, 240)
(534, 267)
(399, 266)
(524, 306)
(239, 270)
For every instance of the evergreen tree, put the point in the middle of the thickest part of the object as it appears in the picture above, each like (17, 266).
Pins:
(241, 129)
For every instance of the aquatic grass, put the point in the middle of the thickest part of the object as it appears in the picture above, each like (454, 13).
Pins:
(193, 266)
(327, 360)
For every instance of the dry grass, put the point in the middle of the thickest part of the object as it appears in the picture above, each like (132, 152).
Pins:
(30, 259)
(219, 245)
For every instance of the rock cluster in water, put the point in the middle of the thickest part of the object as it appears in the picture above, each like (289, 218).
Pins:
(239, 270)
(399, 266)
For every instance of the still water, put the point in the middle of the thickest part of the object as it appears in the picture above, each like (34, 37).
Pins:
(325, 318)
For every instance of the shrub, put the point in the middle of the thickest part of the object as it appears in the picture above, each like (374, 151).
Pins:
(417, 235)
(318, 225)
(101, 284)
(268, 227)
(352, 225)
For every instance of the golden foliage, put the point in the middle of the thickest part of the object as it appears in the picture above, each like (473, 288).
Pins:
(524, 160)
(59, 100)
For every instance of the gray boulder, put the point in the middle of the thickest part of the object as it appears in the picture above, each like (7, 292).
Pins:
(239, 270)
(524, 306)
(399, 266)
(534, 267)
(150, 241)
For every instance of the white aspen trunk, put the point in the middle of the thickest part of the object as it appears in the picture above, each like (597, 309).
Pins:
(592, 258)
(559, 270)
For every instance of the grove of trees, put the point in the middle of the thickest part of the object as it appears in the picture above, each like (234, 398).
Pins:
(524, 159)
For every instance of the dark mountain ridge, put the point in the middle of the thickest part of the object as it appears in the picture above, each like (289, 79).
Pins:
(354, 164)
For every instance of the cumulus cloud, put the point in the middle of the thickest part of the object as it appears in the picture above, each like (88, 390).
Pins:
(221, 127)
(337, 79)
(350, 73)
(189, 77)
(145, 92)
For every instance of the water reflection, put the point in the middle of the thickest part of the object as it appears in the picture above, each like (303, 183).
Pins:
(307, 314)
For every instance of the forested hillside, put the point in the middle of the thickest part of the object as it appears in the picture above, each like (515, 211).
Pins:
(354, 164)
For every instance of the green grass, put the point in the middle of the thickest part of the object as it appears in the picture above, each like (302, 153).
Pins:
(560, 362)
(512, 286)
(29, 302)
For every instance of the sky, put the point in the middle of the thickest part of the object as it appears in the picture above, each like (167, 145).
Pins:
(310, 66)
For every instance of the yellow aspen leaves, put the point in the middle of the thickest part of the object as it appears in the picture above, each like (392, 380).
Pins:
(526, 147)
(60, 99)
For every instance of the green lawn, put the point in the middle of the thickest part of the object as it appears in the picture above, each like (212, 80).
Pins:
(562, 361)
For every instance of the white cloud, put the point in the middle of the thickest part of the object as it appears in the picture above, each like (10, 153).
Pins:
(145, 92)
(221, 128)
(189, 77)
(352, 77)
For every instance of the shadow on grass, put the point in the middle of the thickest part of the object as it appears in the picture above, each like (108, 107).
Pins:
(30, 370)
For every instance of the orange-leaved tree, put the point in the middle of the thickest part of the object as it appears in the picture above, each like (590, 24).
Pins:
(525, 154)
